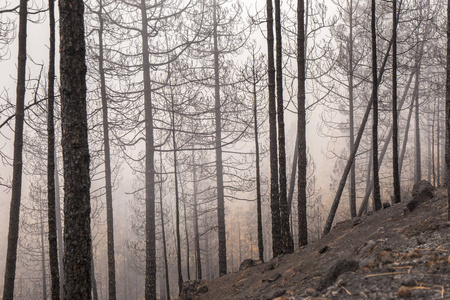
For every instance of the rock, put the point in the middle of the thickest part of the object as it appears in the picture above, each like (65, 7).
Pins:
(270, 266)
(386, 204)
(404, 292)
(412, 204)
(422, 187)
(273, 278)
(356, 221)
(323, 249)
(202, 289)
(422, 191)
(246, 264)
(340, 267)
(274, 294)
(420, 240)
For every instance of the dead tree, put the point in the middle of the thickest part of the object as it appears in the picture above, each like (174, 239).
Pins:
(301, 125)
(52, 227)
(13, 233)
(447, 108)
(77, 209)
(376, 178)
(287, 244)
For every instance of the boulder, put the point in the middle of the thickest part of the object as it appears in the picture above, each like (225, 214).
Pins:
(423, 188)
(202, 289)
(246, 264)
(323, 249)
(422, 191)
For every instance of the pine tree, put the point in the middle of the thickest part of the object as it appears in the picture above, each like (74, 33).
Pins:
(77, 231)
(13, 233)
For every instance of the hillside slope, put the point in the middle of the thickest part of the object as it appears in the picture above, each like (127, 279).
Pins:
(386, 255)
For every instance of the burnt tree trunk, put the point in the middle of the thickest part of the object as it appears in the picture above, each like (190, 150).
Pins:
(219, 162)
(177, 199)
(258, 171)
(417, 152)
(396, 172)
(292, 180)
(14, 212)
(107, 153)
(188, 264)
(150, 238)
(352, 196)
(274, 192)
(447, 108)
(198, 260)
(287, 245)
(376, 179)
(44, 272)
(51, 196)
(77, 209)
(301, 126)
(163, 232)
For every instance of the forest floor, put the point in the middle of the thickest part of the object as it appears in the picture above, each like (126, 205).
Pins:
(390, 254)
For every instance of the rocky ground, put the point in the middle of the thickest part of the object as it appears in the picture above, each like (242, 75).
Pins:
(399, 252)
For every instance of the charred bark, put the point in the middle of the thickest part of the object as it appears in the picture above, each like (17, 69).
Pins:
(274, 191)
(77, 209)
(396, 172)
(301, 126)
(14, 212)
(287, 244)
(376, 179)
(51, 196)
